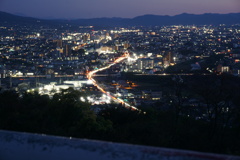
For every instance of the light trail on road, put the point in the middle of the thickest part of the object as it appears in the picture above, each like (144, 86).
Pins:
(91, 74)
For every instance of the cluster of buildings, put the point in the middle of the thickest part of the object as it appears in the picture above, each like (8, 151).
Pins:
(161, 47)
(46, 57)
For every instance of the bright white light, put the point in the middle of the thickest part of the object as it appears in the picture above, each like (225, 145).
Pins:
(97, 102)
(89, 82)
(82, 99)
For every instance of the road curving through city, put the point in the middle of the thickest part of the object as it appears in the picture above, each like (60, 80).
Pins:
(90, 76)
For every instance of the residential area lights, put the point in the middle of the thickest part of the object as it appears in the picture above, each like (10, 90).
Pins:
(91, 73)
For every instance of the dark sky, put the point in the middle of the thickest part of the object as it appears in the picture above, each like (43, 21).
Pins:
(115, 8)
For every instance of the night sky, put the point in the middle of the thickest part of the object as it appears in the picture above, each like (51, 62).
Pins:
(115, 8)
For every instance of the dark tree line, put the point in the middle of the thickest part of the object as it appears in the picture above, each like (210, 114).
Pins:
(66, 115)
(213, 113)
(217, 105)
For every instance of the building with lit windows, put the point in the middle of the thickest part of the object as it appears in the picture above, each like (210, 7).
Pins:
(145, 63)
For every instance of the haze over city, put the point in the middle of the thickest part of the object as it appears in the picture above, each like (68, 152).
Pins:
(72, 9)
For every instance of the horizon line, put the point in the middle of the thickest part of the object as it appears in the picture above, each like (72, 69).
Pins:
(42, 18)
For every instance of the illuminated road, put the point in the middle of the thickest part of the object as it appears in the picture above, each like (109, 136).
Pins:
(91, 74)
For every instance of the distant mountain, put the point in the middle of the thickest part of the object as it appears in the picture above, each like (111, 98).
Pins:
(188, 19)
(145, 20)
(156, 20)
(7, 18)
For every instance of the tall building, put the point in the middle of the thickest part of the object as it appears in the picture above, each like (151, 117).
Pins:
(67, 50)
(169, 57)
(145, 63)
